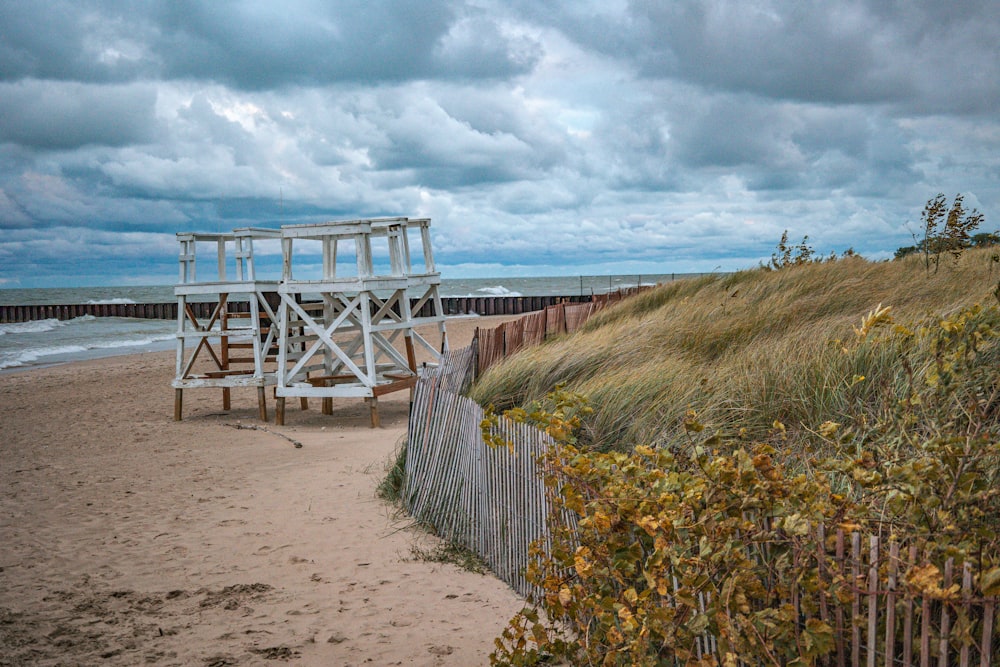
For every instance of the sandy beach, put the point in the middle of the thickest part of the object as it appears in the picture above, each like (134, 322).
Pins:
(128, 538)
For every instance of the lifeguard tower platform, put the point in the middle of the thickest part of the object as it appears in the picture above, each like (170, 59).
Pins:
(228, 348)
(339, 331)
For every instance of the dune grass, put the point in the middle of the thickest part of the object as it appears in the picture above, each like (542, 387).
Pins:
(742, 350)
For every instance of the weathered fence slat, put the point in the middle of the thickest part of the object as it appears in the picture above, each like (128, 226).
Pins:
(873, 553)
(555, 322)
(890, 600)
(824, 612)
(986, 646)
(839, 611)
(908, 617)
(925, 632)
(966, 608)
(856, 601)
(945, 617)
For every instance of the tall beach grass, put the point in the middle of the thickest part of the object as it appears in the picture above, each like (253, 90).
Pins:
(743, 351)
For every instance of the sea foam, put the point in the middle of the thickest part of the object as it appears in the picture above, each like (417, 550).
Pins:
(33, 327)
(498, 290)
(120, 301)
(31, 355)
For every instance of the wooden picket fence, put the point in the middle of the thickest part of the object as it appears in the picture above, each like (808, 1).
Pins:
(495, 345)
(488, 500)
(885, 623)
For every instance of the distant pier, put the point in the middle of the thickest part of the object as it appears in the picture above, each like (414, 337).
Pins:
(453, 305)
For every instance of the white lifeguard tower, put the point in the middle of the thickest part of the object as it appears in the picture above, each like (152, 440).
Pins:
(225, 345)
(339, 332)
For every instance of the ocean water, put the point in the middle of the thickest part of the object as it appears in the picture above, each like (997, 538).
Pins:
(44, 342)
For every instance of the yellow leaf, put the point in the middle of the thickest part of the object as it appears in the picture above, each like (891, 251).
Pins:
(602, 521)
(828, 428)
(649, 524)
(989, 581)
(796, 524)
(539, 634)
(691, 422)
(628, 621)
(925, 578)
(582, 564)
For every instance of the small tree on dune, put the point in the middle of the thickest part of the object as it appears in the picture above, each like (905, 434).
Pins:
(947, 229)
(803, 253)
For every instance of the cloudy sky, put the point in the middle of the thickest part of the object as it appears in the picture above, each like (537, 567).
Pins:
(543, 138)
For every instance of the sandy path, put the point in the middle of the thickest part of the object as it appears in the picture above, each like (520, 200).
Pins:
(127, 538)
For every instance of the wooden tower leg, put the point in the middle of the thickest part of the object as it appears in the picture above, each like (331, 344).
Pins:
(178, 403)
(327, 406)
(262, 403)
(373, 407)
(303, 402)
(227, 398)
(411, 356)
(279, 411)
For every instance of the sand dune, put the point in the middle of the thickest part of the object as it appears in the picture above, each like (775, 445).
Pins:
(127, 538)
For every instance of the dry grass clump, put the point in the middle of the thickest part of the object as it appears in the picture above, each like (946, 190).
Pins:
(742, 350)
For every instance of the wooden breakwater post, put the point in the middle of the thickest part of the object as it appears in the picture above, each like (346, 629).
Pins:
(30, 313)
(452, 305)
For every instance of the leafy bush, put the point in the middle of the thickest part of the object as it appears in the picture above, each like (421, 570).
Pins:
(657, 553)
(933, 467)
